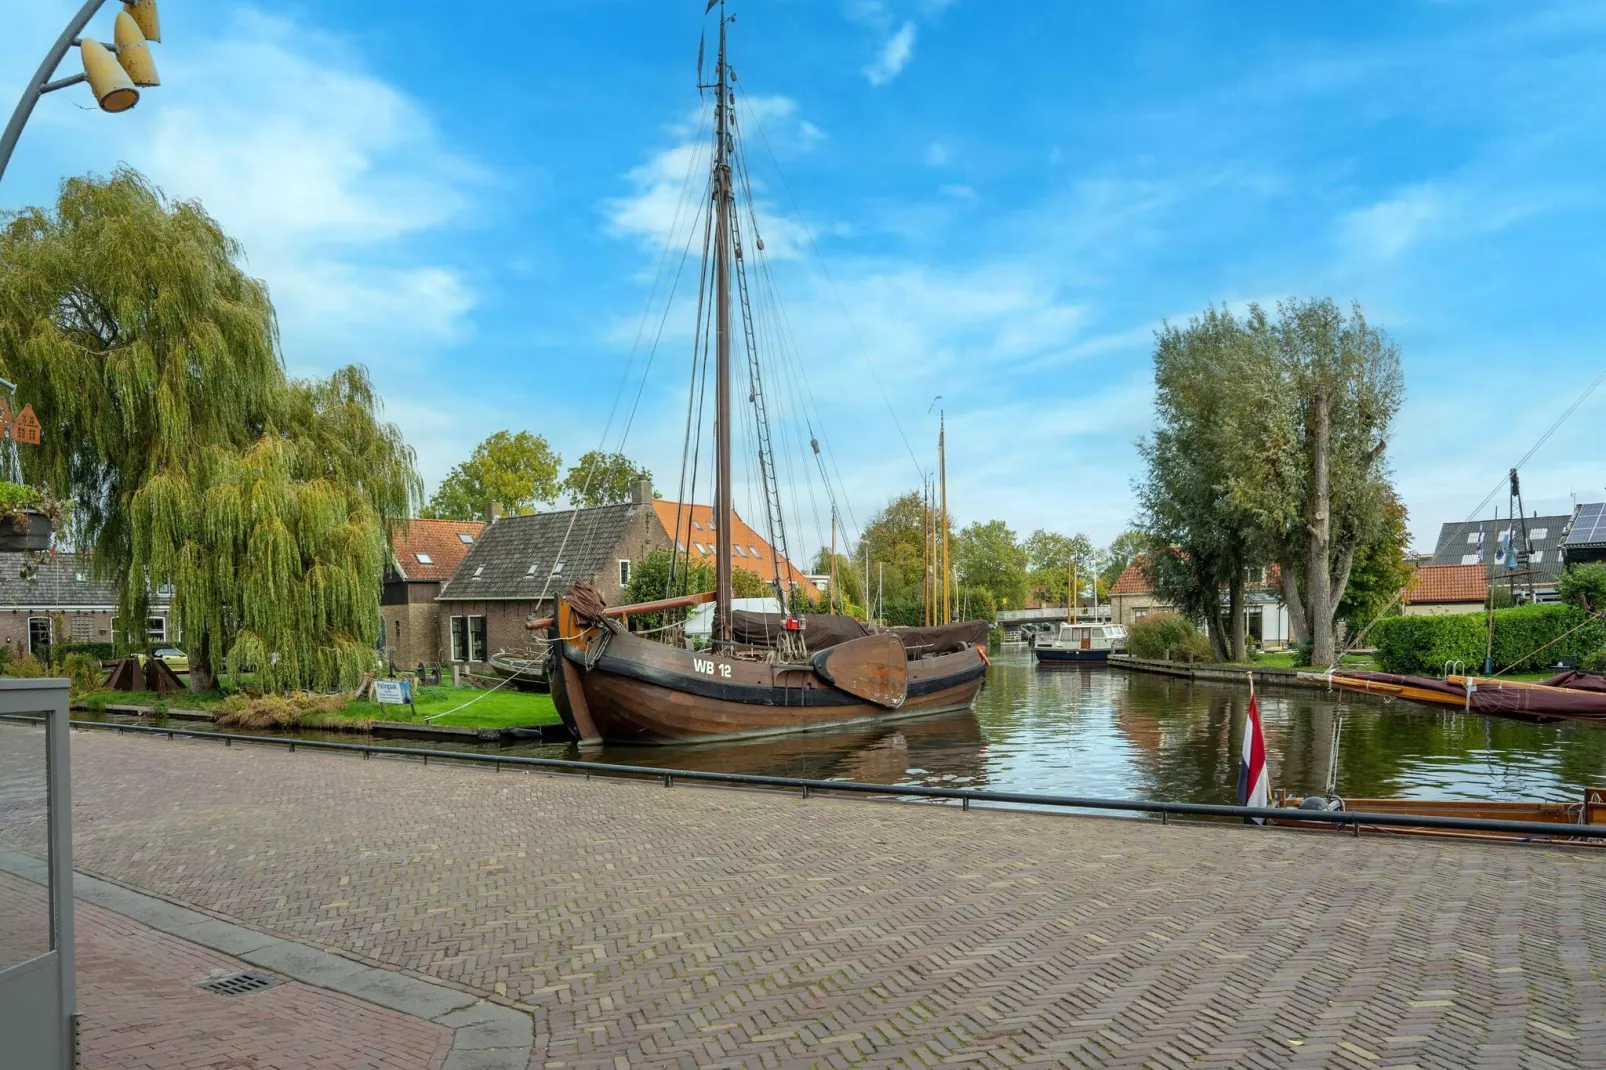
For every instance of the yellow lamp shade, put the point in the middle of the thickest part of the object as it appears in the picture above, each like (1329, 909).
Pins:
(133, 53)
(112, 87)
(144, 13)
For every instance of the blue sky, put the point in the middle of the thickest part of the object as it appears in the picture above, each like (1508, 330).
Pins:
(472, 199)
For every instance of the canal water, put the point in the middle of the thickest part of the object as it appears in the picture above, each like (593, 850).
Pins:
(1118, 734)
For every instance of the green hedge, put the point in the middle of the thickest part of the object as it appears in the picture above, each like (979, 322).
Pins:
(1422, 645)
(1166, 635)
(98, 651)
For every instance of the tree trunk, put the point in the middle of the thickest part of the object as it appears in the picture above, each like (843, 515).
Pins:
(1298, 623)
(202, 679)
(1318, 572)
(1235, 606)
(1218, 639)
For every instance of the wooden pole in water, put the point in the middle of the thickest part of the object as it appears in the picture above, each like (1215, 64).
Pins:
(942, 469)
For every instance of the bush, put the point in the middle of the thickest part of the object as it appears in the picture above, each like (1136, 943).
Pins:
(1167, 636)
(1526, 639)
(274, 711)
(26, 666)
(84, 672)
(98, 651)
(1583, 586)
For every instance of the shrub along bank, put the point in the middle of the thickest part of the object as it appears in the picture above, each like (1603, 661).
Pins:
(1526, 639)
(1167, 636)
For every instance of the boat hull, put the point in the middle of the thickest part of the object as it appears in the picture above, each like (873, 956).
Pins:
(640, 692)
(1098, 657)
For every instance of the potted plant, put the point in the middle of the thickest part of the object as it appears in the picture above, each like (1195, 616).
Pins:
(27, 518)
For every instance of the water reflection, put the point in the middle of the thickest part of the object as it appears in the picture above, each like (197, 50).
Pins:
(1094, 731)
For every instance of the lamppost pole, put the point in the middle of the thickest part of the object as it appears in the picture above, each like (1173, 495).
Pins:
(113, 80)
(41, 83)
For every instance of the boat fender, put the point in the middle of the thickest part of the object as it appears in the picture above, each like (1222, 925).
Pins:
(982, 650)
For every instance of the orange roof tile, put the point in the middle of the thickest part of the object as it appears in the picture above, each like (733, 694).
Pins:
(432, 549)
(1448, 583)
(1131, 580)
(697, 536)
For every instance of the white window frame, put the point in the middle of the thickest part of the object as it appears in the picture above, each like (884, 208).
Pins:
(484, 636)
(156, 636)
(624, 572)
(423, 559)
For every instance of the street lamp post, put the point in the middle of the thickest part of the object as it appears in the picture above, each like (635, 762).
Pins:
(113, 71)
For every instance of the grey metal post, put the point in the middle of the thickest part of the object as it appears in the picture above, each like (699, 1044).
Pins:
(57, 748)
(36, 88)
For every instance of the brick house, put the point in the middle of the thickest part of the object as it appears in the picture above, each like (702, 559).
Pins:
(515, 570)
(696, 537)
(64, 602)
(1441, 589)
(424, 555)
(1132, 598)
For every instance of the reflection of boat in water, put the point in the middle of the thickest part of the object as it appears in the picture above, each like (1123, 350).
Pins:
(1572, 695)
(523, 674)
(1091, 643)
(946, 748)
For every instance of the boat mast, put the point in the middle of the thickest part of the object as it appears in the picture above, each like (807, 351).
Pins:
(942, 470)
(724, 428)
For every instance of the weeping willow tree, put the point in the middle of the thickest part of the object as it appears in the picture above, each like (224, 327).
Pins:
(190, 457)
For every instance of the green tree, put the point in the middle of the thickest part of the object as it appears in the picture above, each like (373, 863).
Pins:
(1584, 586)
(1381, 571)
(1048, 562)
(849, 578)
(895, 541)
(990, 557)
(513, 471)
(1199, 540)
(152, 362)
(1114, 558)
(603, 479)
(1318, 395)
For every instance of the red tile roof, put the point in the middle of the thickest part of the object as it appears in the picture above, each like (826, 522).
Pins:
(439, 541)
(1132, 580)
(1437, 584)
(696, 536)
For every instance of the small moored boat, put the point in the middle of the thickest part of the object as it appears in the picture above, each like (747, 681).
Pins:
(1087, 642)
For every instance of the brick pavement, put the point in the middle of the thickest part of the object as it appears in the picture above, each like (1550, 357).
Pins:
(142, 1011)
(695, 926)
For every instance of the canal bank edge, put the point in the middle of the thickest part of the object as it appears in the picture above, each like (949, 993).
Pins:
(485, 1035)
(541, 733)
(1228, 674)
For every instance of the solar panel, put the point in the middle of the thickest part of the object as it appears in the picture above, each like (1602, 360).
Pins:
(1589, 526)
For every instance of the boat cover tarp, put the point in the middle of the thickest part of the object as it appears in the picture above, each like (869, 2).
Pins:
(1492, 697)
(1578, 681)
(822, 630)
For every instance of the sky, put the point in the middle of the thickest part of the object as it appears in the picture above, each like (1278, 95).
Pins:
(994, 204)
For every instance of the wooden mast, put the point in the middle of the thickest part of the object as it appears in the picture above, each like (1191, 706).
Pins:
(942, 471)
(722, 344)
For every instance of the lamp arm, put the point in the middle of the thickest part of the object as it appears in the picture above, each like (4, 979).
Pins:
(35, 88)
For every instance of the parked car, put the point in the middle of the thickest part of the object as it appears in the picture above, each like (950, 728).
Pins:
(176, 659)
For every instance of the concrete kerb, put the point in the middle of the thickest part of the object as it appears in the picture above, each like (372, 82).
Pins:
(485, 1036)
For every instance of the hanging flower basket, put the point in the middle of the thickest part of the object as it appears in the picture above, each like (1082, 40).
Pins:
(28, 529)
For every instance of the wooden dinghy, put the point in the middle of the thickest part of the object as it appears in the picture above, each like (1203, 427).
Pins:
(1592, 810)
(1569, 695)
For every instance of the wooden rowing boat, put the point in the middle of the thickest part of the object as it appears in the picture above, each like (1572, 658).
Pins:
(1568, 696)
(1590, 810)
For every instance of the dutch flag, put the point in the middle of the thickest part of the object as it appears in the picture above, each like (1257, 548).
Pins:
(1254, 786)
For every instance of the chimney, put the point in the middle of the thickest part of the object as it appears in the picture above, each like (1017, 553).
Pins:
(493, 511)
(642, 494)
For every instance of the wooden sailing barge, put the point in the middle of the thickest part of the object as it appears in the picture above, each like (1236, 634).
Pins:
(1570, 695)
(765, 673)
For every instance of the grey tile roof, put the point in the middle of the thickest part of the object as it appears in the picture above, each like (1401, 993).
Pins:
(61, 581)
(513, 558)
(1458, 544)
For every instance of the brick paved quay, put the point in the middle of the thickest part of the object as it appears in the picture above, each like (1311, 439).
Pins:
(646, 926)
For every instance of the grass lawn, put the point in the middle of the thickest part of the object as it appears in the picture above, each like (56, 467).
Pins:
(489, 709)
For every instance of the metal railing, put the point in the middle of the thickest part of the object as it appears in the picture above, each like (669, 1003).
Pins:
(1353, 820)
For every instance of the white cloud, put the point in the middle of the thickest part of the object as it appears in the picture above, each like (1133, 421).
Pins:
(1388, 228)
(894, 56)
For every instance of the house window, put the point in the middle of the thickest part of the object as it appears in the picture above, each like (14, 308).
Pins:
(465, 538)
(477, 570)
(468, 638)
(696, 525)
(156, 629)
(557, 569)
(398, 633)
(530, 572)
(1539, 533)
(754, 551)
(40, 637)
(737, 550)
(424, 559)
(1471, 559)
(680, 546)
(624, 573)
(82, 628)
(1139, 614)
(1537, 556)
(700, 547)
(1473, 537)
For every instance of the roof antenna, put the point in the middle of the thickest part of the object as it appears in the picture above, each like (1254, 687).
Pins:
(933, 404)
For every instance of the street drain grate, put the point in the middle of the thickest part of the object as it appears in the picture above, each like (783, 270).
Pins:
(239, 984)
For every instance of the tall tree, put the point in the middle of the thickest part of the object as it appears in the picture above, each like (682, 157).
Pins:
(849, 577)
(990, 557)
(603, 479)
(1199, 539)
(192, 459)
(1048, 562)
(1381, 571)
(1114, 558)
(515, 472)
(895, 541)
(1320, 393)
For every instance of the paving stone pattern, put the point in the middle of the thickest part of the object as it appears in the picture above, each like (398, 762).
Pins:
(645, 926)
(142, 1011)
